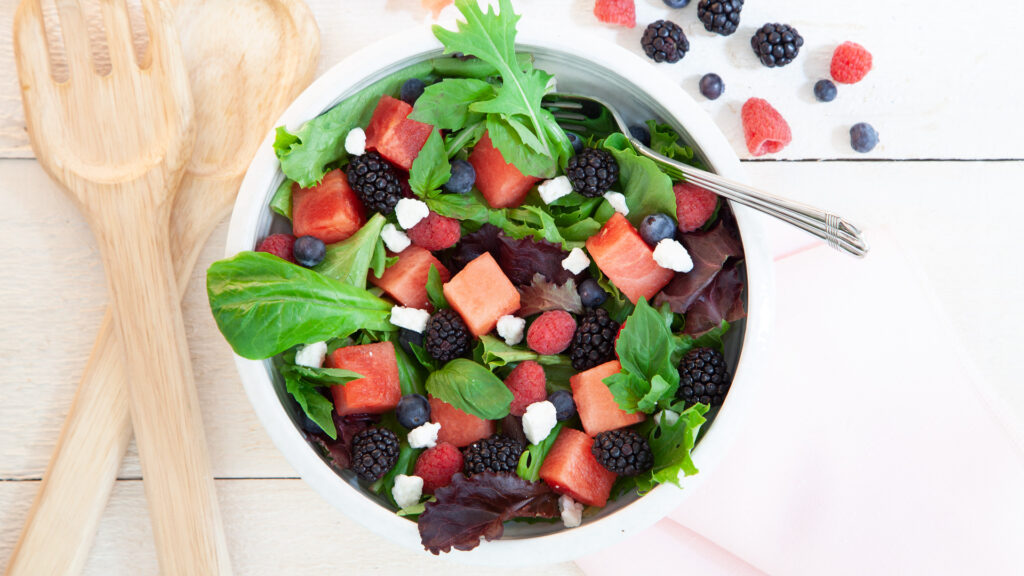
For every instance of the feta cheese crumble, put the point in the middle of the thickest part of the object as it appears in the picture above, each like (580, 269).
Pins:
(511, 329)
(355, 142)
(668, 416)
(554, 189)
(410, 211)
(394, 239)
(618, 202)
(311, 355)
(576, 262)
(424, 436)
(572, 511)
(410, 318)
(538, 421)
(671, 254)
(407, 490)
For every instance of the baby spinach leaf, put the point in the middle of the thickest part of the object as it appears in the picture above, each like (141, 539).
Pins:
(445, 105)
(318, 408)
(646, 188)
(282, 200)
(350, 260)
(534, 455)
(411, 375)
(471, 388)
(435, 289)
(264, 305)
(430, 170)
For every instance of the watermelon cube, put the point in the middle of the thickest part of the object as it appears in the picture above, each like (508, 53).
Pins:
(330, 211)
(501, 183)
(481, 293)
(397, 137)
(570, 468)
(406, 280)
(378, 391)
(624, 257)
(595, 403)
(457, 427)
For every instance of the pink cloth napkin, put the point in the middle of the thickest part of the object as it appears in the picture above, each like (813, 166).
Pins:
(875, 450)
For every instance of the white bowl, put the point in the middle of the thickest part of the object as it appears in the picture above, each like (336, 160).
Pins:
(586, 66)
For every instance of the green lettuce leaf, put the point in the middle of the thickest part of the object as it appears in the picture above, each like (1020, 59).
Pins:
(350, 260)
(282, 200)
(671, 445)
(647, 189)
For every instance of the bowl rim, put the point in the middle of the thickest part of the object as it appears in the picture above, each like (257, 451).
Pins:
(263, 175)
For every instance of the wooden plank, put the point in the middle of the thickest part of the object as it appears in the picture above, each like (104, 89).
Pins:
(928, 100)
(273, 526)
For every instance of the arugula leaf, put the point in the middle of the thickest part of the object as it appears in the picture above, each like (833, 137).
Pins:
(450, 67)
(495, 353)
(350, 260)
(647, 189)
(671, 445)
(282, 200)
(264, 305)
(471, 388)
(645, 348)
(430, 170)
(534, 455)
(445, 105)
(305, 154)
(435, 289)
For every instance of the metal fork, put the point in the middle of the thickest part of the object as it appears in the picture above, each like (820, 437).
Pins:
(589, 115)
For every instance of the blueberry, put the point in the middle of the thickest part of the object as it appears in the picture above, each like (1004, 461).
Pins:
(407, 337)
(591, 293)
(577, 142)
(676, 3)
(413, 411)
(411, 91)
(309, 426)
(711, 86)
(565, 406)
(309, 251)
(463, 178)
(641, 133)
(824, 90)
(657, 227)
(863, 138)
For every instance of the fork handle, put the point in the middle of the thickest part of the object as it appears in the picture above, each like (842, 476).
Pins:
(837, 232)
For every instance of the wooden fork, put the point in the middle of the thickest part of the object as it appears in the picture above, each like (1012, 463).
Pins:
(118, 143)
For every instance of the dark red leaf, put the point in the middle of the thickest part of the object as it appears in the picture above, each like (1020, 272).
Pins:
(474, 245)
(721, 300)
(521, 259)
(338, 451)
(541, 296)
(709, 251)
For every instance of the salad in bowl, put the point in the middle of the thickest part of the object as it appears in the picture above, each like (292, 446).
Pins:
(478, 316)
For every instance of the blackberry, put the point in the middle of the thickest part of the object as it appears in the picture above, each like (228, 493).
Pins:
(592, 172)
(623, 451)
(494, 454)
(776, 44)
(664, 41)
(447, 336)
(375, 182)
(594, 340)
(703, 377)
(374, 453)
(720, 16)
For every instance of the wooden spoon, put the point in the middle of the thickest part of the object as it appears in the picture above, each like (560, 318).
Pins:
(247, 60)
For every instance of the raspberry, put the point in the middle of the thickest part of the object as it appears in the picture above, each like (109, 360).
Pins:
(765, 129)
(527, 384)
(435, 232)
(621, 12)
(694, 206)
(279, 245)
(437, 465)
(551, 332)
(851, 62)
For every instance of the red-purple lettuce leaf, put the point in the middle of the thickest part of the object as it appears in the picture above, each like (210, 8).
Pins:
(541, 296)
(521, 259)
(471, 508)
(471, 246)
(709, 250)
(338, 451)
(721, 300)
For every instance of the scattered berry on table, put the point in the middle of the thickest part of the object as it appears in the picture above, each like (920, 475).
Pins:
(424, 435)
(656, 227)
(538, 421)
(435, 232)
(594, 340)
(677, 3)
(703, 377)
(641, 133)
(863, 137)
(375, 181)
(407, 337)
(462, 179)
(374, 453)
(592, 172)
(664, 41)
(565, 407)
(776, 44)
(621, 12)
(280, 245)
(494, 454)
(694, 206)
(825, 91)
(411, 91)
(309, 251)
(591, 293)
(447, 335)
(711, 86)
(413, 411)
(527, 384)
(720, 16)
(551, 332)
(851, 62)
(437, 465)
(765, 130)
(623, 451)
(576, 141)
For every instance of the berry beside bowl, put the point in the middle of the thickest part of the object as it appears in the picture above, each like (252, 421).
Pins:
(467, 315)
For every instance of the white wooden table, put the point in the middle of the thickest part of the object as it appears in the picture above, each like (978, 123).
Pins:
(946, 179)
